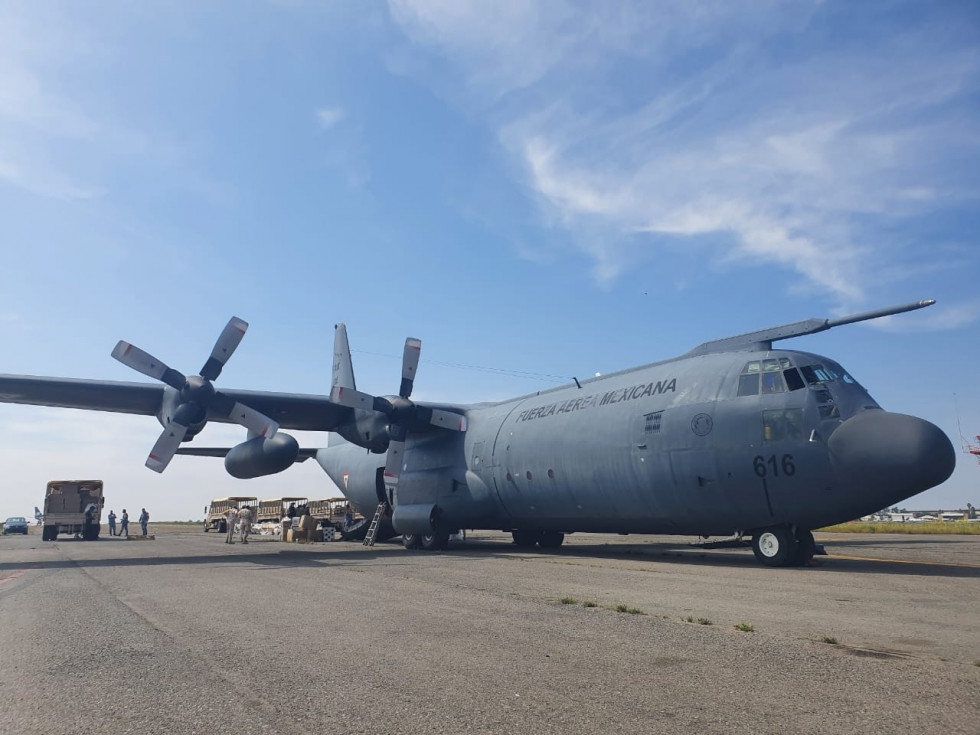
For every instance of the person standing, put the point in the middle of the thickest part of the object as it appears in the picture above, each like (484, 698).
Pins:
(144, 519)
(245, 523)
(124, 524)
(112, 523)
(232, 519)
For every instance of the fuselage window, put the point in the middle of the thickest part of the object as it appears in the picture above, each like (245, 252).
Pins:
(784, 424)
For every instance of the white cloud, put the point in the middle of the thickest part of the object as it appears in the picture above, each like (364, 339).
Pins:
(695, 124)
(327, 117)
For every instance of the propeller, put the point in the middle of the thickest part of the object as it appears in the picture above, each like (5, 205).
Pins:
(197, 394)
(403, 415)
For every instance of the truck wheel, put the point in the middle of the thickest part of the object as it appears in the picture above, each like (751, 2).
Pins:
(207, 527)
(49, 533)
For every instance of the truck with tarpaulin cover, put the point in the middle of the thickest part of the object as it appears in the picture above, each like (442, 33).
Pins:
(331, 512)
(273, 510)
(216, 514)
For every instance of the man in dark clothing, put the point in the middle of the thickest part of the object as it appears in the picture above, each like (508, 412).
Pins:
(124, 524)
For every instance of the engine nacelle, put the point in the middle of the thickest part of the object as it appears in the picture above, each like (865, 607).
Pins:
(368, 430)
(260, 456)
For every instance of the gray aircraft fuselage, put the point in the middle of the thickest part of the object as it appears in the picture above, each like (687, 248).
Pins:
(713, 444)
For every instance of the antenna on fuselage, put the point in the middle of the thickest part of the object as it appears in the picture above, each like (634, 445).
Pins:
(763, 339)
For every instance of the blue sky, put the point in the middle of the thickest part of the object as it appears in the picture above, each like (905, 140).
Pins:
(534, 189)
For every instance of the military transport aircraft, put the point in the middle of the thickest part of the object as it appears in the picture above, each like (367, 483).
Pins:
(731, 438)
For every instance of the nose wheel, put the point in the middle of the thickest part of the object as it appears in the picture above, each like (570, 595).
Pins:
(783, 546)
(775, 546)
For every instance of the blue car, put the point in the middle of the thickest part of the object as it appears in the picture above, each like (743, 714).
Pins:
(15, 524)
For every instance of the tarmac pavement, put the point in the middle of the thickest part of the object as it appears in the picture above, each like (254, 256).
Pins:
(185, 634)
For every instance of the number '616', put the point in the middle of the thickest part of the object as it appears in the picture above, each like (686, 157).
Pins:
(773, 466)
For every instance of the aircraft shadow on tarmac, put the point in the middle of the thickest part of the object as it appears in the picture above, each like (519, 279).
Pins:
(392, 554)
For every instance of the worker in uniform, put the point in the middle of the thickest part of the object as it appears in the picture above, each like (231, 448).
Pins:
(232, 519)
(245, 523)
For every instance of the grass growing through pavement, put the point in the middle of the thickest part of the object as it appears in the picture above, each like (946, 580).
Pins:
(829, 639)
(745, 627)
(590, 603)
(568, 601)
(928, 527)
(627, 609)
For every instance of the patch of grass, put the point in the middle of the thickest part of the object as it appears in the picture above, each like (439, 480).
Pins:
(568, 601)
(745, 627)
(976, 663)
(927, 527)
(704, 621)
(627, 609)
(829, 639)
(589, 603)
(688, 619)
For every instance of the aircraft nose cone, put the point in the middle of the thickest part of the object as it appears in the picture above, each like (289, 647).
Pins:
(890, 455)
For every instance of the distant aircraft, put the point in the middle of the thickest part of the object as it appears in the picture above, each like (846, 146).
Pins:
(731, 438)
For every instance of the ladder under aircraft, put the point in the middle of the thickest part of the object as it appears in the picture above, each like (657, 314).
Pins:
(375, 523)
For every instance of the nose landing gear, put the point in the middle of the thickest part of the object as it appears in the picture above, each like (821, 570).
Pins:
(783, 546)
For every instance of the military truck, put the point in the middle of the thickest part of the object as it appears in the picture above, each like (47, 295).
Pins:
(273, 509)
(330, 512)
(216, 514)
(72, 506)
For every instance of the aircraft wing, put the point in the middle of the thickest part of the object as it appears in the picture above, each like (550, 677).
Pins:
(301, 456)
(289, 410)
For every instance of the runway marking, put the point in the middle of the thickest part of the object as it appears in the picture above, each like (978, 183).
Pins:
(905, 561)
(13, 575)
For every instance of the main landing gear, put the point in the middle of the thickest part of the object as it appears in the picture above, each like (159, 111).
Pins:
(526, 539)
(783, 546)
(426, 541)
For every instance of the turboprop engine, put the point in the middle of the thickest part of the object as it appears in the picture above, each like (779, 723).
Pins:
(259, 456)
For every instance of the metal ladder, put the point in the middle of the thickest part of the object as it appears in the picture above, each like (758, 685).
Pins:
(375, 522)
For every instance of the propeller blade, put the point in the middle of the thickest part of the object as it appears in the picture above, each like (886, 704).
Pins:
(143, 362)
(410, 362)
(166, 446)
(352, 398)
(256, 422)
(224, 348)
(448, 420)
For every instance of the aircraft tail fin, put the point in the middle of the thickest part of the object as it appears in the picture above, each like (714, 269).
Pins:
(343, 369)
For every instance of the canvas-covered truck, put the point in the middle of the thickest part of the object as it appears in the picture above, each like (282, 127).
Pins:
(216, 514)
(272, 510)
(330, 512)
(72, 506)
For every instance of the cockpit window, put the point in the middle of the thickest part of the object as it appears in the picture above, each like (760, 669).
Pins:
(771, 375)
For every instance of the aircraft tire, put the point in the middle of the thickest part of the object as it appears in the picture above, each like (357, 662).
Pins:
(411, 540)
(525, 539)
(49, 533)
(435, 541)
(551, 539)
(775, 546)
(805, 547)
